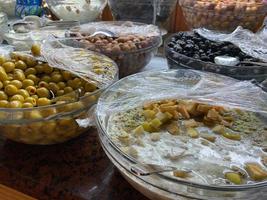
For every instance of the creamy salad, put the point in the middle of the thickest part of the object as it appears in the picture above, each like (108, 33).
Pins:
(206, 144)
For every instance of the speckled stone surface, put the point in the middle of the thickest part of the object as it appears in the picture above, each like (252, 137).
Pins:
(76, 170)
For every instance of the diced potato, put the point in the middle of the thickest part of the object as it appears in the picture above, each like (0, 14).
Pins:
(191, 123)
(214, 115)
(124, 137)
(208, 122)
(168, 108)
(203, 108)
(232, 136)
(147, 127)
(163, 117)
(181, 174)
(155, 137)
(208, 137)
(173, 128)
(220, 129)
(155, 123)
(256, 172)
(193, 133)
(149, 114)
(150, 106)
(139, 130)
(191, 108)
(181, 109)
(234, 177)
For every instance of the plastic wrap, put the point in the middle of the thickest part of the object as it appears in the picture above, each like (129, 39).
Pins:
(135, 90)
(253, 44)
(119, 28)
(86, 64)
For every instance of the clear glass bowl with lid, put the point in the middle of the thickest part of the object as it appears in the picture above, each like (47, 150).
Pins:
(68, 114)
(79, 10)
(223, 15)
(160, 186)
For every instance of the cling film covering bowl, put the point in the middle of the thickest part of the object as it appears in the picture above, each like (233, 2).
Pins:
(135, 90)
(71, 117)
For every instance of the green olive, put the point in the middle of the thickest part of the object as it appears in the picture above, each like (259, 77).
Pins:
(2, 60)
(30, 100)
(4, 103)
(68, 90)
(11, 90)
(23, 93)
(43, 92)
(27, 105)
(27, 82)
(43, 102)
(36, 50)
(30, 71)
(47, 69)
(35, 96)
(53, 86)
(19, 75)
(34, 78)
(90, 87)
(3, 96)
(60, 92)
(31, 90)
(1, 85)
(43, 84)
(15, 104)
(16, 83)
(20, 65)
(3, 74)
(61, 85)
(17, 97)
(9, 66)
(46, 78)
(39, 68)
(56, 78)
(66, 75)
(31, 62)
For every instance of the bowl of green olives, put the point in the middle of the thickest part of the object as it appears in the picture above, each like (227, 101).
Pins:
(40, 104)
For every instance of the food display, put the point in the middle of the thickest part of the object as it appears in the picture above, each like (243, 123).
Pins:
(132, 47)
(144, 11)
(80, 10)
(40, 104)
(224, 15)
(204, 128)
(8, 6)
(190, 50)
(192, 136)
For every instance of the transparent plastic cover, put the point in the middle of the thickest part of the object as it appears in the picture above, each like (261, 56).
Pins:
(119, 28)
(253, 44)
(86, 64)
(135, 90)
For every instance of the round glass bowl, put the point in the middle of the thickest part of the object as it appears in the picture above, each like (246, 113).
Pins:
(79, 10)
(132, 48)
(8, 6)
(144, 11)
(120, 96)
(224, 15)
(57, 122)
(179, 61)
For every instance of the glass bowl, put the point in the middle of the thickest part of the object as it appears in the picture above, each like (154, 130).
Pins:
(79, 10)
(224, 15)
(130, 53)
(8, 6)
(55, 123)
(177, 60)
(160, 186)
(144, 11)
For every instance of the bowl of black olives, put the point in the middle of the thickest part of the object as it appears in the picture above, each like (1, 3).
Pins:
(192, 51)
